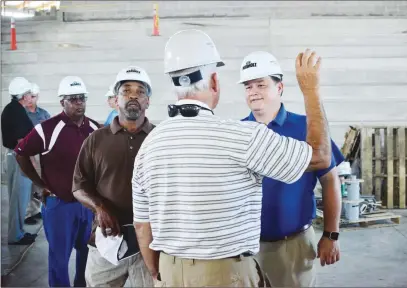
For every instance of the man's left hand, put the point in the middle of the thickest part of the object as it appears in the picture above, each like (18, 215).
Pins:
(328, 251)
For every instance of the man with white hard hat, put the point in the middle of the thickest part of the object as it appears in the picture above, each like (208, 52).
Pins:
(15, 125)
(197, 178)
(67, 224)
(102, 182)
(288, 209)
(112, 102)
(36, 115)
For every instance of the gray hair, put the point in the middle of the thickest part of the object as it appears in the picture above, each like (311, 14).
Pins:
(20, 96)
(202, 85)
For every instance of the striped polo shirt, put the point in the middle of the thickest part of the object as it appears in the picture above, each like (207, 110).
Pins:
(198, 181)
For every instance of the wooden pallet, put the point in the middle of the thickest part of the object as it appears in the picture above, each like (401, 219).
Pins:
(373, 219)
(383, 164)
(379, 218)
(350, 148)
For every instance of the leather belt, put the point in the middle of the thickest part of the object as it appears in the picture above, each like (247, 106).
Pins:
(303, 229)
(245, 254)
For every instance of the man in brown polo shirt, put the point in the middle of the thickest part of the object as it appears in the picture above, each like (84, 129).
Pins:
(102, 180)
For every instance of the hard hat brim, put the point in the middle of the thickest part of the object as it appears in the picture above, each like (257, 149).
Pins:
(120, 83)
(258, 77)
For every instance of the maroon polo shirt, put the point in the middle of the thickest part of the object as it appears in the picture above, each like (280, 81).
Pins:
(57, 154)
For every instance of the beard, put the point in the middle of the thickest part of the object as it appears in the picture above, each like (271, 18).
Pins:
(131, 110)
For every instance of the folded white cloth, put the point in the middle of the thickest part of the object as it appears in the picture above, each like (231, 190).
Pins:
(112, 248)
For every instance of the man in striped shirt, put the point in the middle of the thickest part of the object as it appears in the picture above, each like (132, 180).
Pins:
(197, 179)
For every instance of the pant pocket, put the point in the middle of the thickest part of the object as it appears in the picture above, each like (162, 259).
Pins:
(263, 279)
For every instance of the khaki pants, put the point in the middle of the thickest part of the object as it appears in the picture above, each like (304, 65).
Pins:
(230, 272)
(101, 273)
(290, 263)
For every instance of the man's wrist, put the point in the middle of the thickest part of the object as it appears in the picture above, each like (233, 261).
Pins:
(332, 235)
(310, 92)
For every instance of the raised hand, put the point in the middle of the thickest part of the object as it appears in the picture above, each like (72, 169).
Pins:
(307, 66)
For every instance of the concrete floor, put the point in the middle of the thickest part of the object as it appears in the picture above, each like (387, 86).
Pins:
(370, 257)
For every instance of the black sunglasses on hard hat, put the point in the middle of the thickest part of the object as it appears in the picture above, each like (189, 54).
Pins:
(186, 110)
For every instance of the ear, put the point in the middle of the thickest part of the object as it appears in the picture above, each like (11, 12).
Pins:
(148, 102)
(214, 83)
(62, 103)
(280, 88)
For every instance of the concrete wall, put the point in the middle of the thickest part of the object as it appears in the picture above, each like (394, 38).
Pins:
(364, 72)
(97, 10)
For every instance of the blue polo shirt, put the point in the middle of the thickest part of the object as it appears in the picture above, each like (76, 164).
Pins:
(38, 116)
(286, 208)
(110, 118)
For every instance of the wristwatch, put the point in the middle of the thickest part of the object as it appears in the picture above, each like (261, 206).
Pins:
(331, 235)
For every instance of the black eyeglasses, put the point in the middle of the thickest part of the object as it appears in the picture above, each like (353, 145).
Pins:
(76, 98)
(186, 110)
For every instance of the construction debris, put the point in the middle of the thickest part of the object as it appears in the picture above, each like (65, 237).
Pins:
(373, 173)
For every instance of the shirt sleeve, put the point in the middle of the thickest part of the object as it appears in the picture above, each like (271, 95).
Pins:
(47, 115)
(31, 145)
(84, 175)
(278, 157)
(24, 126)
(140, 198)
(336, 159)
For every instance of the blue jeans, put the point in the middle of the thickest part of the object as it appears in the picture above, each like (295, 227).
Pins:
(67, 225)
(19, 193)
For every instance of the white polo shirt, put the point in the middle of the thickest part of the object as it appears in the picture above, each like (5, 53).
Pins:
(198, 181)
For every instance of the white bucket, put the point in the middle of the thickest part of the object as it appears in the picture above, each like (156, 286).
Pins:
(352, 211)
(353, 189)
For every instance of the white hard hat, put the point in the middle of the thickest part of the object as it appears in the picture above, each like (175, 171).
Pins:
(132, 73)
(259, 64)
(110, 92)
(19, 86)
(71, 85)
(190, 48)
(35, 89)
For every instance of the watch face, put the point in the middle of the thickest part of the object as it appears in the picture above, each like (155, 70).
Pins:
(334, 236)
(331, 235)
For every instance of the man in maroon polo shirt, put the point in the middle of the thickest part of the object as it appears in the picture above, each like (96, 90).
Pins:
(58, 140)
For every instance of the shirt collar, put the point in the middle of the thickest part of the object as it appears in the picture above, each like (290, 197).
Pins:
(115, 126)
(195, 102)
(280, 117)
(68, 120)
(35, 112)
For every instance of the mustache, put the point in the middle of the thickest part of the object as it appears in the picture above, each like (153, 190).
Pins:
(133, 102)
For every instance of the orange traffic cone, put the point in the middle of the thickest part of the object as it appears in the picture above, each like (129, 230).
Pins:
(13, 44)
(156, 28)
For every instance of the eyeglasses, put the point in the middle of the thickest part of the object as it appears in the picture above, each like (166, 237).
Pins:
(186, 110)
(133, 91)
(75, 98)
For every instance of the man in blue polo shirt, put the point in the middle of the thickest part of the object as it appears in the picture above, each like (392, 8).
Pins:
(112, 101)
(288, 247)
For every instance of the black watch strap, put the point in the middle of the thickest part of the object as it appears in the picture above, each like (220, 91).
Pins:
(331, 235)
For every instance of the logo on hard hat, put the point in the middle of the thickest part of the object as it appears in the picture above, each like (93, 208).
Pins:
(133, 71)
(76, 84)
(184, 81)
(249, 65)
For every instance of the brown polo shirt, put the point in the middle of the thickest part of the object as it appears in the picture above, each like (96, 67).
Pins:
(105, 166)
